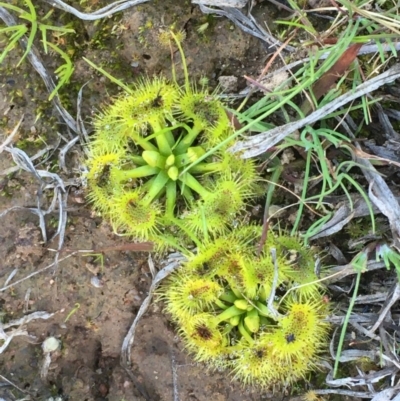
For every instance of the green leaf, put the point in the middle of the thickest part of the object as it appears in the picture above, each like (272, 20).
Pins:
(64, 72)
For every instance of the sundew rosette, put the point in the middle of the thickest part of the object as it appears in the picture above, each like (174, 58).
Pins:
(141, 171)
(220, 301)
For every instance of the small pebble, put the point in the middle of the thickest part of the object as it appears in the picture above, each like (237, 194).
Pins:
(228, 83)
(50, 344)
(96, 282)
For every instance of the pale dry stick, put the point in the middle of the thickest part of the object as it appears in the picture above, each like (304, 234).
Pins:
(148, 248)
(22, 160)
(361, 373)
(60, 194)
(133, 247)
(355, 354)
(345, 270)
(13, 385)
(372, 48)
(295, 195)
(260, 143)
(386, 395)
(129, 338)
(37, 155)
(339, 20)
(246, 24)
(82, 131)
(223, 3)
(392, 361)
(363, 331)
(371, 378)
(6, 338)
(378, 191)
(391, 351)
(63, 152)
(270, 303)
(6, 287)
(395, 296)
(174, 376)
(26, 300)
(11, 275)
(372, 298)
(365, 318)
(106, 11)
(152, 268)
(348, 393)
(267, 67)
(10, 137)
(28, 318)
(32, 210)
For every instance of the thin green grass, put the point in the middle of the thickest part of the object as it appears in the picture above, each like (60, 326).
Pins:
(30, 26)
(316, 141)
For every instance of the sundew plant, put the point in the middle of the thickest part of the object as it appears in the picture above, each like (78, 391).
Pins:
(258, 316)
(257, 313)
(138, 174)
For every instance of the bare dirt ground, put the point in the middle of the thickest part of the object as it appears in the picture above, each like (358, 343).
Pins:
(91, 321)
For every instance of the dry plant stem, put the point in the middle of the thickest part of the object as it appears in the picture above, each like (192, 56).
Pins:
(381, 196)
(59, 196)
(129, 338)
(13, 385)
(365, 318)
(36, 156)
(394, 297)
(387, 394)
(371, 378)
(372, 298)
(340, 272)
(82, 132)
(390, 350)
(341, 217)
(348, 393)
(6, 337)
(260, 143)
(10, 137)
(355, 354)
(344, 213)
(26, 300)
(174, 376)
(133, 247)
(246, 24)
(6, 287)
(11, 276)
(101, 13)
(363, 331)
(264, 71)
(271, 299)
(276, 54)
(152, 268)
(63, 152)
(224, 3)
(391, 361)
(28, 318)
